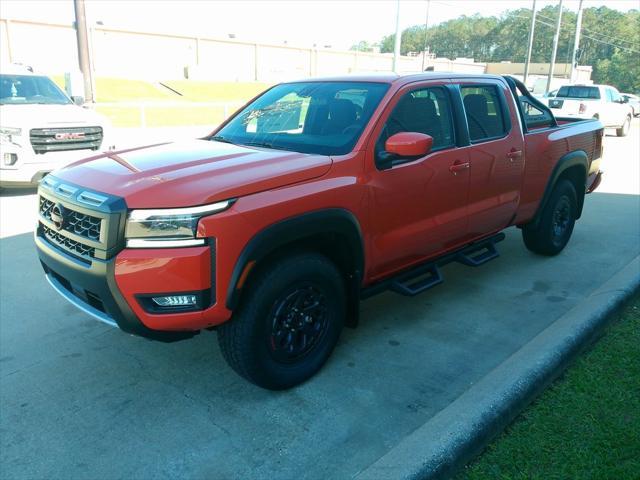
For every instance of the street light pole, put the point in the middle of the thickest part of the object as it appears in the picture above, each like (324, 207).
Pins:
(530, 48)
(396, 46)
(556, 37)
(576, 44)
(426, 26)
(83, 49)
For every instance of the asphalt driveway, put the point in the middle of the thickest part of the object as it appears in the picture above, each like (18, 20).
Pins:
(79, 399)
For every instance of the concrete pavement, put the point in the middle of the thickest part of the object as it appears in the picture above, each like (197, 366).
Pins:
(81, 400)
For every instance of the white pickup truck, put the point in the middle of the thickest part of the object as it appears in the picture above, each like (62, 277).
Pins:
(603, 102)
(41, 128)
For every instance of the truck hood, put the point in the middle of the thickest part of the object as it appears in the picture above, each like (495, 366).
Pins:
(48, 116)
(193, 172)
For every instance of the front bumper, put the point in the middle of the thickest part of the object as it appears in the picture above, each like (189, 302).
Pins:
(30, 168)
(85, 260)
(94, 290)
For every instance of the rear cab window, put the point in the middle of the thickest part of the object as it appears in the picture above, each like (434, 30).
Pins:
(578, 91)
(485, 112)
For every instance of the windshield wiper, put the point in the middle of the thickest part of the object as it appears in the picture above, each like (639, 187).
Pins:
(263, 145)
(219, 138)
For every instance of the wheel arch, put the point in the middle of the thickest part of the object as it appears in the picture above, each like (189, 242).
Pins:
(333, 232)
(572, 166)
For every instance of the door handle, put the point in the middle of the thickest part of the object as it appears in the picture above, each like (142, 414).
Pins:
(513, 154)
(458, 166)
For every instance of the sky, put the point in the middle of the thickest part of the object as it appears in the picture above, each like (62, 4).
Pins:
(338, 23)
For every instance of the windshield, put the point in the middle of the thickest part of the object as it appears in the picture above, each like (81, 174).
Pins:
(325, 118)
(30, 89)
(579, 92)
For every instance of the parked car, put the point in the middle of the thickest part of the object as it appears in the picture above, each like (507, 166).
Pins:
(633, 101)
(41, 128)
(313, 196)
(593, 101)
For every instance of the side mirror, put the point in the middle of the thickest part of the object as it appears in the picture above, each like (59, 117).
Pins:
(409, 144)
(78, 100)
(404, 145)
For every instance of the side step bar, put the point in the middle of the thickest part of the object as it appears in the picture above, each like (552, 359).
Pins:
(423, 277)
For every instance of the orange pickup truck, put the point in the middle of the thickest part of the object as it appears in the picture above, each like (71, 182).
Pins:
(314, 195)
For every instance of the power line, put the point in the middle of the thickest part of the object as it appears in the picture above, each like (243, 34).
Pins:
(587, 36)
(538, 14)
(593, 32)
(612, 44)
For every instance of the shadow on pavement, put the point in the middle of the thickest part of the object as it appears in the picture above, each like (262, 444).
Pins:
(129, 407)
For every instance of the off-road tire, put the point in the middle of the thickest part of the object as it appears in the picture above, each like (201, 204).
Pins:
(248, 342)
(553, 231)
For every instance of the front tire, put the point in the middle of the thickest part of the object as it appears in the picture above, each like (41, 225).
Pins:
(553, 231)
(288, 322)
(624, 129)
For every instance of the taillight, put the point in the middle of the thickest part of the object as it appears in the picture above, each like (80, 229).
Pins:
(597, 151)
(583, 108)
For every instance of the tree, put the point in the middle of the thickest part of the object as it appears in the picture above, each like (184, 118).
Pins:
(610, 40)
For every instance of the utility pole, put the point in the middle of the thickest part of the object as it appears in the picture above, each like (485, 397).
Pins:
(530, 48)
(576, 44)
(556, 37)
(396, 46)
(83, 49)
(426, 26)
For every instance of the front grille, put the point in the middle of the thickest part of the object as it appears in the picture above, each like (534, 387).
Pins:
(77, 249)
(86, 226)
(45, 140)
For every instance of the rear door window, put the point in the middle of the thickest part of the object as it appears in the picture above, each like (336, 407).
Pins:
(484, 112)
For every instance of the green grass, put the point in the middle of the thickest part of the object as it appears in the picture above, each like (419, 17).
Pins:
(119, 90)
(586, 425)
(158, 116)
(198, 91)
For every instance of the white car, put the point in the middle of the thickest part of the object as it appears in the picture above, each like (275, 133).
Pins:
(603, 102)
(42, 129)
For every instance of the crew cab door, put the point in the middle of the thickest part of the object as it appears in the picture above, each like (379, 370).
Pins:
(615, 111)
(419, 205)
(496, 155)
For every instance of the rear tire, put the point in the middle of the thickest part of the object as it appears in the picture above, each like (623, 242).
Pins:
(553, 231)
(288, 322)
(624, 129)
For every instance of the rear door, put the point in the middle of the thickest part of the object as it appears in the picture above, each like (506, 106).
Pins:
(616, 111)
(419, 206)
(496, 155)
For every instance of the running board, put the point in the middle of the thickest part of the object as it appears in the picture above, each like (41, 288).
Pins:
(417, 281)
(478, 256)
(423, 277)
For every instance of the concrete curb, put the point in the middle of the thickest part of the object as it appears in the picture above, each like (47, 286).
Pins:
(443, 445)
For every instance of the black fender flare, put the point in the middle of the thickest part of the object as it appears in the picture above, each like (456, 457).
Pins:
(328, 221)
(567, 161)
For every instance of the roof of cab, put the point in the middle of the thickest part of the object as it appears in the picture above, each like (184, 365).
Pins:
(398, 78)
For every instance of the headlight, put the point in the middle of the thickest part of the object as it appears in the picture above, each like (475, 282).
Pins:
(7, 134)
(174, 227)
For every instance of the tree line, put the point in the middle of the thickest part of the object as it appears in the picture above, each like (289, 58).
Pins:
(610, 41)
